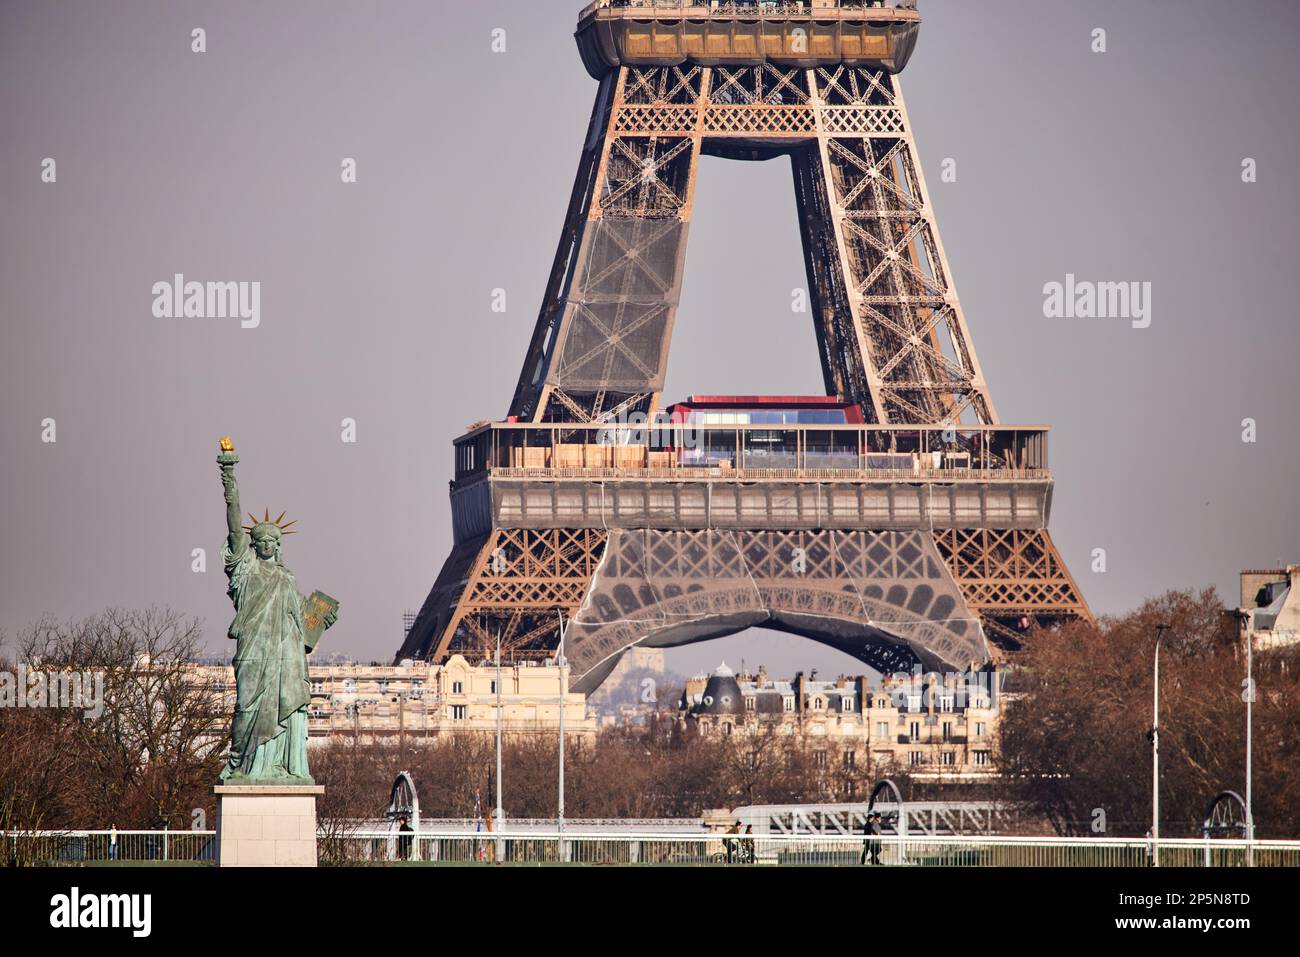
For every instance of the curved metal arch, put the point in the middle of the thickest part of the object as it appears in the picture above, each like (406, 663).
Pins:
(403, 801)
(1218, 820)
(886, 785)
(1219, 814)
(884, 597)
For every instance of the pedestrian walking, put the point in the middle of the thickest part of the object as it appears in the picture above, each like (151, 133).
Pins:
(405, 838)
(876, 831)
(871, 845)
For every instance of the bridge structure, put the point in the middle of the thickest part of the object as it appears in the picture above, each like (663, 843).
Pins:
(895, 518)
(922, 818)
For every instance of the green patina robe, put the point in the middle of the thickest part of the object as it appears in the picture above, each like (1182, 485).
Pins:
(269, 739)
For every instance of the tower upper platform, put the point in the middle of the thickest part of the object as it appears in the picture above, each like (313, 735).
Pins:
(874, 34)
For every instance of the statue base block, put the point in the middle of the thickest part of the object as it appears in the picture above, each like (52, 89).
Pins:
(266, 825)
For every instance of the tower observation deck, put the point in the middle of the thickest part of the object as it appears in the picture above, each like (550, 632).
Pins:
(663, 33)
(895, 518)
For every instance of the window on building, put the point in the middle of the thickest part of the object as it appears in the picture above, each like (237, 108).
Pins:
(947, 730)
(753, 759)
(915, 757)
(849, 758)
(914, 702)
(846, 703)
(946, 703)
(981, 758)
(980, 728)
(850, 789)
(914, 729)
(459, 712)
(947, 758)
(789, 704)
(493, 688)
(751, 703)
(817, 704)
(819, 759)
(882, 729)
(457, 687)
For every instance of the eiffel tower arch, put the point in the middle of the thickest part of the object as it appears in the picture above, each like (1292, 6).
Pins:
(896, 518)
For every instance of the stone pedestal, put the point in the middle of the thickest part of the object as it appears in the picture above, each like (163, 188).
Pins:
(266, 825)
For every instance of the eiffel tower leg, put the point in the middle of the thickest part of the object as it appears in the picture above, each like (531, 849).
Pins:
(518, 582)
(1013, 578)
(891, 329)
(600, 346)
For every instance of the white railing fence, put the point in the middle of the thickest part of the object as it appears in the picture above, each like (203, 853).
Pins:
(540, 847)
(534, 847)
(82, 847)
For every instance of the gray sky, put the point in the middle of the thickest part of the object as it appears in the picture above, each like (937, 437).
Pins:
(375, 302)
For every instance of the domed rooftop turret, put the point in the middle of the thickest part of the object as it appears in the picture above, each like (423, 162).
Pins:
(722, 693)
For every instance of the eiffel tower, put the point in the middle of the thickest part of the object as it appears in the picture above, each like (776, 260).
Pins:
(895, 518)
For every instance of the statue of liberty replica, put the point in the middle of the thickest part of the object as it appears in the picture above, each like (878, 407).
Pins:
(275, 628)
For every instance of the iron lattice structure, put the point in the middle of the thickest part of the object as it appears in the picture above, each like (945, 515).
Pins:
(892, 338)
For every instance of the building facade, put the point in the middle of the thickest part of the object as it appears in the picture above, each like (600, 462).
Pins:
(936, 726)
(1270, 607)
(386, 704)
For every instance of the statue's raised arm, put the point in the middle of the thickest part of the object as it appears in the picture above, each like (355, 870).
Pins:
(227, 460)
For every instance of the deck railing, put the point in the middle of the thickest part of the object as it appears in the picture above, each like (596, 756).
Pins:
(746, 8)
(688, 472)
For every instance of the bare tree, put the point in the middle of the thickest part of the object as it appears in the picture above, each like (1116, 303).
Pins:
(150, 758)
(1075, 747)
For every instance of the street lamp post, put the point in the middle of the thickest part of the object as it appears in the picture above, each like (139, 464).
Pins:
(500, 811)
(1155, 752)
(1244, 617)
(563, 666)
